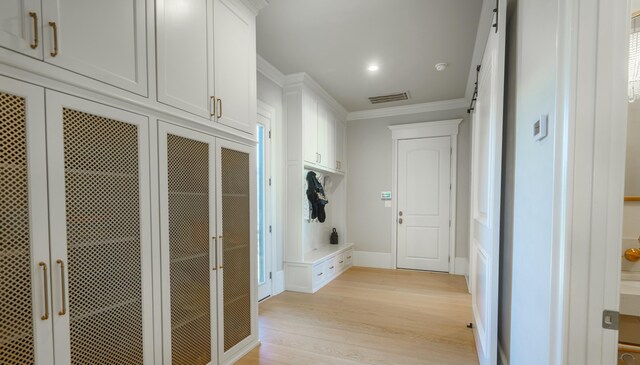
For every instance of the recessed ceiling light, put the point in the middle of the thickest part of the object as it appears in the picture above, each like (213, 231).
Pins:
(441, 66)
(373, 68)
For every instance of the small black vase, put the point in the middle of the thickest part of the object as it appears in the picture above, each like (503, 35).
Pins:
(334, 237)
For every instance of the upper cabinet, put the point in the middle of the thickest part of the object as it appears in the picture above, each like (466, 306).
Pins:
(103, 40)
(314, 122)
(206, 59)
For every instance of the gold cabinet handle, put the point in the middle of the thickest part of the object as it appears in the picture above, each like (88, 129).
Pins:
(215, 250)
(213, 107)
(331, 268)
(45, 316)
(34, 16)
(348, 257)
(320, 274)
(219, 101)
(220, 238)
(341, 261)
(63, 289)
(54, 27)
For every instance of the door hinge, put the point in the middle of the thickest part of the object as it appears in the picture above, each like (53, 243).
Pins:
(451, 151)
(449, 222)
(269, 133)
(449, 258)
(610, 320)
(269, 229)
(269, 274)
(269, 181)
(449, 186)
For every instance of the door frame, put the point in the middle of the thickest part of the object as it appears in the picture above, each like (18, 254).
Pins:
(591, 118)
(442, 128)
(268, 112)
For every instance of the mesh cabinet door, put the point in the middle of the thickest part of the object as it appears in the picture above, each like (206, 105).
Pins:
(187, 194)
(99, 181)
(25, 295)
(238, 229)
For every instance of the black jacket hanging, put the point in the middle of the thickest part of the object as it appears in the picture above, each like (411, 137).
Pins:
(317, 199)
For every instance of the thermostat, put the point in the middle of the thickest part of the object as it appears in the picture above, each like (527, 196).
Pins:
(540, 128)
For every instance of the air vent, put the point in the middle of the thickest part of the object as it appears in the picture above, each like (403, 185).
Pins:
(389, 98)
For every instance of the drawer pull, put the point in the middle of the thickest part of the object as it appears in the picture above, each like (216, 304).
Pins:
(348, 257)
(320, 274)
(342, 261)
(331, 268)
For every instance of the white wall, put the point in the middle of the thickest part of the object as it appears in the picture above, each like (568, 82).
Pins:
(527, 234)
(369, 148)
(631, 212)
(270, 93)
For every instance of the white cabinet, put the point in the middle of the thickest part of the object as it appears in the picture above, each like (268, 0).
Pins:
(318, 269)
(340, 138)
(206, 60)
(21, 26)
(184, 55)
(77, 224)
(105, 41)
(235, 65)
(208, 247)
(320, 133)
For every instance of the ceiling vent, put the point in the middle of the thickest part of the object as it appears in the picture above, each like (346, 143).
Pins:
(389, 98)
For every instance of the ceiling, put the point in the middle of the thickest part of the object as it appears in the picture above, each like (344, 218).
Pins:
(334, 41)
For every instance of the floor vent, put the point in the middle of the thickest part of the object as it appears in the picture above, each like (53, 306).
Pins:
(389, 98)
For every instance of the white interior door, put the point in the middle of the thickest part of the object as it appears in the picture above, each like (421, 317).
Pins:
(486, 180)
(424, 195)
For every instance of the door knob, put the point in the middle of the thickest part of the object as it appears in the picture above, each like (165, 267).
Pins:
(632, 254)
(400, 213)
(400, 220)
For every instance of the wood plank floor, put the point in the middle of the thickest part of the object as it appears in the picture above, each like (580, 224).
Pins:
(369, 316)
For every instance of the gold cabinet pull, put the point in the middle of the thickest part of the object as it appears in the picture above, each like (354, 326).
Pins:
(213, 108)
(45, 316)
(63, 289)
(220, 238)
(215, 250)
(34, 16)
(54, 27)
(219, 101)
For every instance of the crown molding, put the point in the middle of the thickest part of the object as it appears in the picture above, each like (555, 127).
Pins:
(255, 5)
(434, 106)
(303, 78)
(270, 71)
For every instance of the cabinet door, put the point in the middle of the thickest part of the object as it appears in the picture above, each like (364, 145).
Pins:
(184, 50)
(235, 65)
(98, 164)
(310, 128)
(237, 247)
(330, 160)
(187, 213)
(104, 40)
(20, 26)
(341, 134)
(322, 134)
(25, 300)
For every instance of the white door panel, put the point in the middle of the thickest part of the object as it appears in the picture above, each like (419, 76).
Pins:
(104, 40)
(21, 26)
(486, 152)
(424, 177)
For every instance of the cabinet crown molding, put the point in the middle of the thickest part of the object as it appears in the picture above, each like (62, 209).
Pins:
(302, 78)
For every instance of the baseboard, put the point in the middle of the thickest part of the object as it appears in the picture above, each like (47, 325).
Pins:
(502, 356)
(277, 286)
(379, 260)
(462, 264)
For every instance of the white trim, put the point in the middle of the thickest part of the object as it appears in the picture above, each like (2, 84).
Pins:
(441, 128)
(393, 111)
(380, 260)
(502, 355)
(255, 5)
(268, 113)
(302, 78)
(270, 71)
(461, 266)
(278, 283)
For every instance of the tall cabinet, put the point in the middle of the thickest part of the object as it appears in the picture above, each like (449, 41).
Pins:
(208, 247)
(86, 289)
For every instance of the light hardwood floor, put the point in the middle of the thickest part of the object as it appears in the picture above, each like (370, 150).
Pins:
(369, 316)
